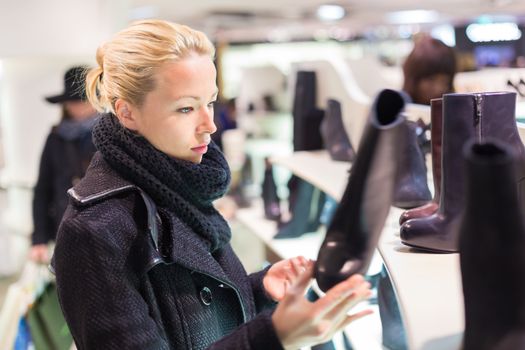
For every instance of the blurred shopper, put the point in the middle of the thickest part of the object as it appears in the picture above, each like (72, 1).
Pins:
(143, 259)
(66, 155)
(225, 118)
(429, 70)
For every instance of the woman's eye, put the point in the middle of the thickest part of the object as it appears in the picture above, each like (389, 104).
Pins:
(185, 110)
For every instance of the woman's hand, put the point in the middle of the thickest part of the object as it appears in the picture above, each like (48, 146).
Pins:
(39, 254)
(280, 276)
(299, 322)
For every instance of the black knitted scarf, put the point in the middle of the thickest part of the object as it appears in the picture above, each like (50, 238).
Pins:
(186, 188)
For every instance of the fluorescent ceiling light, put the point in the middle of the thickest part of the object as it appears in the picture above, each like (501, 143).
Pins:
(330, 12)
(412, 17)
(487, 32)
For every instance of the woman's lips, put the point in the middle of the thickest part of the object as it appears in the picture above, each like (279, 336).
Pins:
(200, 149)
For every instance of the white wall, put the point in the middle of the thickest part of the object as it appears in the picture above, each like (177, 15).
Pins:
(57, 27)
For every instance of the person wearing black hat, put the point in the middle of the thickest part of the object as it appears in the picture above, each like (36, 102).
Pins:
(67, 153)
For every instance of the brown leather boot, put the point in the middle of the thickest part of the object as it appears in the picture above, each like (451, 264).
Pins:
(465, 116)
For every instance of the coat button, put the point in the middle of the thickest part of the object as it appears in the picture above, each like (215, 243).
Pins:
(205, 295)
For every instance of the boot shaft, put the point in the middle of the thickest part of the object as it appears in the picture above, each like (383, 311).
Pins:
(492, 245)
(411, 187)
(306, 116)
(360, 217)
(373, 170)
(472, 116)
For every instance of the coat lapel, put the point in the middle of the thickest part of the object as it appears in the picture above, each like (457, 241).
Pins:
(186, 248)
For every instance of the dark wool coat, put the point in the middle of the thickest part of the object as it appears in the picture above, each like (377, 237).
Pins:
(63, 162)
(119, 290)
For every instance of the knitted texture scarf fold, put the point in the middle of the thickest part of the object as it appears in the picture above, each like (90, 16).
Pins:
(186, 188)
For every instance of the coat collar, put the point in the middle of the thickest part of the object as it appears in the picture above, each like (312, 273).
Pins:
(187, 249)
(101, 182)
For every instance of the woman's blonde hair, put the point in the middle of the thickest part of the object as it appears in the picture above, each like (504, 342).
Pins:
(127, 63)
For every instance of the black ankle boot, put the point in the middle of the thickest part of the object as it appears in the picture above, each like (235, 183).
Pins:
(306, 212)
(492, 248)
(334, 135)
(411, 188)
(272, 205)
(354, 231)
(307, 117)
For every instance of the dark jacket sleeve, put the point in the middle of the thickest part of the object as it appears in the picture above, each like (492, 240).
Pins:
(257, 334)
(43, 196)
(98, 294)
(262, 299)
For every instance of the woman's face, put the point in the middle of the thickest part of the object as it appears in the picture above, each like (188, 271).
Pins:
(79, 110)
(432, 87)
(177, 116)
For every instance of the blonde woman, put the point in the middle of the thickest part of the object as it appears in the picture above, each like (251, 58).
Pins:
(143, 259)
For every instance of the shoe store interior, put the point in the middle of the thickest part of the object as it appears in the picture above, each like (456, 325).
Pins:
(375, 165)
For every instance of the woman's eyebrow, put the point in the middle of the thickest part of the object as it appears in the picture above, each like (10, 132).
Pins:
(196, 97)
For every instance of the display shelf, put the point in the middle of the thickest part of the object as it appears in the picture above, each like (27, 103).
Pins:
(253, 219)
(428, 286)
(317, 168)
(364, 334)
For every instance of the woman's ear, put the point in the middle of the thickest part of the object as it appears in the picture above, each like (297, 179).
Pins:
(125, 114)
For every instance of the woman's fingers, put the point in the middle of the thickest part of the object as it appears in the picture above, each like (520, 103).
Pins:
(351, 318)
(338, 294)
(340, 312)
(299, 264)
(301, 283)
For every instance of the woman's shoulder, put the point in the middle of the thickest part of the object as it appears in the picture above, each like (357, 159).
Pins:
(103, 202)
(97, 233)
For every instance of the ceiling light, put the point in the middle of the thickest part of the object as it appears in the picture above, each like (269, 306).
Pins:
(412, 16)
(330, 12)
(487, 32)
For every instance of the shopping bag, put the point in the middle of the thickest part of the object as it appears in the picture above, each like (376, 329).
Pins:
(20, 295)
(23, 337)
(47, 325)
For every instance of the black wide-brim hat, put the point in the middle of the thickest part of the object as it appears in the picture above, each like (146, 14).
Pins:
(74, 86)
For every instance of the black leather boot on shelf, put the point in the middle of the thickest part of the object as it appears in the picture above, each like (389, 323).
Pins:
(359, 219)
(492, 248)
(240, 192)
(307, 120)
(306, 212)
(465, 116)
(272, 204)
(334, 135)
(307, 117)
(411, 188)
(436, 120)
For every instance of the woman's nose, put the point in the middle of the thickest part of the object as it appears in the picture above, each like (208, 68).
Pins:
(207, 124)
